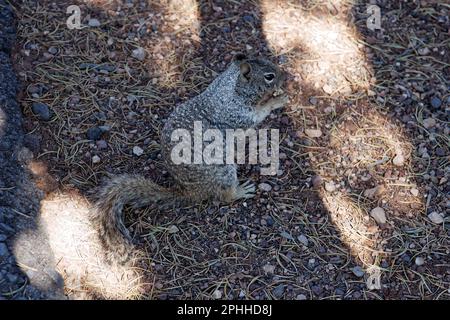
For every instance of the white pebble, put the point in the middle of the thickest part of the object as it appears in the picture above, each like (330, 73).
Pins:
(398, 160)
(94, 23)
(138, 53)
(379, 215)
(138, 151)
(330, 186)
(313, 133)
(265, 187)
(436, 217)
(419, 261)
(217, 294)
(95, 159)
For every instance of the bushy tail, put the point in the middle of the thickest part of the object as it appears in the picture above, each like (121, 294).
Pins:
(107, 217)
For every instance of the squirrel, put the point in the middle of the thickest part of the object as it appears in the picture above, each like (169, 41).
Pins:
(239, 98)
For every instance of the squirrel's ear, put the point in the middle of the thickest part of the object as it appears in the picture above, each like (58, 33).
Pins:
(239, 57)
(245, 70)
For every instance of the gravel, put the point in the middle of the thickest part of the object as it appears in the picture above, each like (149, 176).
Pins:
(18, 193)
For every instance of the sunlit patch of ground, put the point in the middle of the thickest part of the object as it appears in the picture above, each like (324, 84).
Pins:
(321, 44)
(361, 159)
(78, 254)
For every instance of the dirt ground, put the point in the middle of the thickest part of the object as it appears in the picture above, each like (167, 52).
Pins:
(363, 184)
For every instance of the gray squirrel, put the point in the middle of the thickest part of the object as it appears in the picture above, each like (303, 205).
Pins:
(239, 98)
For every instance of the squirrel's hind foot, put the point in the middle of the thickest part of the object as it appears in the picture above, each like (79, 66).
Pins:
(245, 190)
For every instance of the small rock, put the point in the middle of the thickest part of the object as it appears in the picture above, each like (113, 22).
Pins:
(316, 182)
(327, 89)
(414, 192)
(217, 294)
(249, 18)
(101, 144)
(398, 160)
(374, 192)
(138, 53)
(358, 271)
(52, 50)
(286, 235)
(278, 291)
(138, 151)
(423, 51)
(436, 102)
(436, 218)
(95, 159)
(379, 215)
(265, 187)
(41, 110)
(429, 123)
(440, 152)
(94, 133)
(173, 229)
(313, 133)
(330, 186)
(303, 239)
(300, 297)
(94, 23)
(268, 268)
(419, 261)
(313, 100)
(3, 250)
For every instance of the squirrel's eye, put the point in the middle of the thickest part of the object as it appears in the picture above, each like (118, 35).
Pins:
(269, 77)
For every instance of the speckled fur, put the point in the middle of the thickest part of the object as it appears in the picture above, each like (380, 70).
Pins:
(231, 101)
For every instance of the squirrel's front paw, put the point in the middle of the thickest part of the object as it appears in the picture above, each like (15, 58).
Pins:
(278, 101)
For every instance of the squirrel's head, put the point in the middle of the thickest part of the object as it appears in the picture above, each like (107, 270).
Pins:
(258, 78)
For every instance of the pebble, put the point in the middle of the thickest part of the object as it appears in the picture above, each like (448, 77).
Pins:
(278, 291)
(94, 23)
(52, 50)
(137, 151)
(358, 271)
(398, 160)
(414, 192)
(313, 100)
(94, 133)
(95, 159)
(379, 215)
(138, 53)
(249, 18)
(303, 239)
(316, 182)
(436, 102)
(268, 268)
(313, 133)
(436, 218)
(265, 187)
(330, 186)
(300, 297)
(327, 89)
(101, 144)
(41, 110)
(3, 250)
(217, 294)
(440, 152)
(374, 192)
(419, 261)
(429, 123)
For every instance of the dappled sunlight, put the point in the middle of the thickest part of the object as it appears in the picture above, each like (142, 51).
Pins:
(170, 57)
(355, 227)
(362, 160)
(78, 253)
(322, 47)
